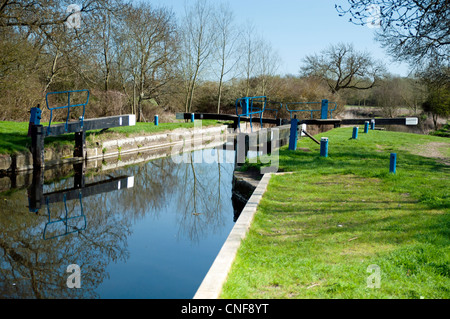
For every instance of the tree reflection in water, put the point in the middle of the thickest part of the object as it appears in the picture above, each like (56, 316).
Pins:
(201, 203)
(32, 267)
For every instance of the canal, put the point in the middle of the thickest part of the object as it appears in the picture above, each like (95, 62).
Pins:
(142, 231)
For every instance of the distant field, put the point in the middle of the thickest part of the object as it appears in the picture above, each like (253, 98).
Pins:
(359, 106)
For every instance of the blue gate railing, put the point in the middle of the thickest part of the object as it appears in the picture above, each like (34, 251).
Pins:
(68, 106)
(323, 108)
(276, 110)
(249, 109)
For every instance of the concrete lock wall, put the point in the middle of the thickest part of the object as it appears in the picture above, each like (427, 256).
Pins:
(121, 149)
(23, 161)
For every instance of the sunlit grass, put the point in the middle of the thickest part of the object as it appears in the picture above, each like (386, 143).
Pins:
(13, 135)
(318, 230)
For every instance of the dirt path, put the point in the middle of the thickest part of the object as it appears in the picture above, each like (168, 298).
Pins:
(433, 150)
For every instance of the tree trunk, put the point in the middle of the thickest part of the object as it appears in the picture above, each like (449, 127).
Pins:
(139, 109)
(219, 97)
(435, 120)
(191, 93)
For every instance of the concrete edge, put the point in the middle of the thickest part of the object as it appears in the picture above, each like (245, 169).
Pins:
(22, 161)
(211, 286)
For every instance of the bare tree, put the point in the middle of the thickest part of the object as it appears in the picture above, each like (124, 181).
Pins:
(107, 52)
(268, 63)
(198, 38)
(342, 67)
(126, 62)
(412, 91)
(435, 76)
(411, 30)
(388, 96)
(151, 34)
(249, 47)
(39, 13)
(226, 46)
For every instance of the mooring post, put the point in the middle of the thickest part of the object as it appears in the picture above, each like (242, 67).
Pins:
(35, 117)
(372, 124)
(293, 134)
(366, 127)
(355, 132)
(324, 110)
(324, 147)
(393, 163)
(37, 145)
(80, 144)
(156, 120)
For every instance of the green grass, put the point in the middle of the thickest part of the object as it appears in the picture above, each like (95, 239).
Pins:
(444, 131)
(319, 227)
(149, 128)
(13, 135)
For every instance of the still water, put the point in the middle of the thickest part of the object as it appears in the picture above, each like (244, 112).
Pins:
(143, 231)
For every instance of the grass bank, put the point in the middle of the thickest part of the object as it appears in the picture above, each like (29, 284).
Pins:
(13, 135)
(323, 224)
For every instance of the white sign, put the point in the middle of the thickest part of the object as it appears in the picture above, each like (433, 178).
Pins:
(411, 121)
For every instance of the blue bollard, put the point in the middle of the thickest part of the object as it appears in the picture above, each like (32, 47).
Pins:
(324, 147)
(372, 124)
(156, 120)
(366, 127)
(393, 163)
(355, 133)
(324, 110)
(192, 117)
(293, 135)
(35, 118)
(35, 115)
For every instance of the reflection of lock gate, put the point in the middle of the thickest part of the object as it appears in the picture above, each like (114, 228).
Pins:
(80, 190)
(65, 220)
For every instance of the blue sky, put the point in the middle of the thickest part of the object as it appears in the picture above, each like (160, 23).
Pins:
(297, 28)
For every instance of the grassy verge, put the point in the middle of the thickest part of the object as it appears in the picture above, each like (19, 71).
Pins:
(320, 228)
(13, 135)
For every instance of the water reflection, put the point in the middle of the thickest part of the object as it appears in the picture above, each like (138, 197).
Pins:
(143, 231)
(70, 218)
